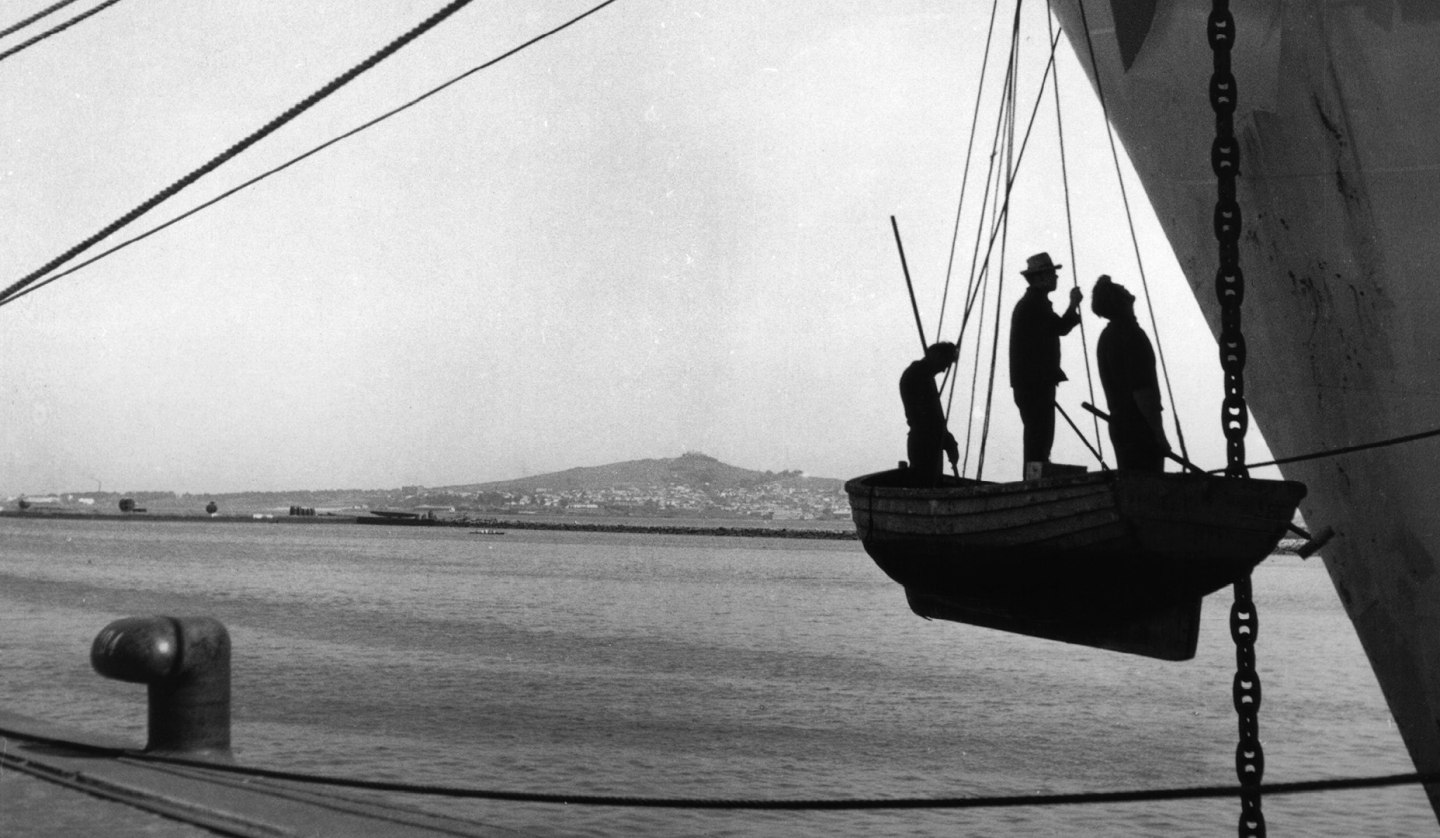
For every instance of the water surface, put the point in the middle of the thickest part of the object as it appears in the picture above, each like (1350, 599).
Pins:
(695, 666)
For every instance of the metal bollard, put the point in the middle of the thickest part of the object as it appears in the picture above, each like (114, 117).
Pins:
(185, 663)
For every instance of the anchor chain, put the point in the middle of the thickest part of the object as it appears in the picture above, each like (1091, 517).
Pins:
(1249, 754)
(1234, 415)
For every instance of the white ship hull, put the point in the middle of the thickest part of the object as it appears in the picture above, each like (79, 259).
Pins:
(1339, 125)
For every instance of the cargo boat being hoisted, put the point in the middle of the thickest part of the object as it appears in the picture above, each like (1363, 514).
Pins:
(1337, 119)
(1336, 122)
(1118, 559)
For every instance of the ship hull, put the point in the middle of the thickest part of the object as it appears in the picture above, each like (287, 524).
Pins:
(1338, 120)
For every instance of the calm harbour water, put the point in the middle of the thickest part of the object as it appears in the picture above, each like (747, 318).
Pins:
(692, 666)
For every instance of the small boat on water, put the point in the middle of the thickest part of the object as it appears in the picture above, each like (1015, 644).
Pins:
(1114, 559)
(395, 517)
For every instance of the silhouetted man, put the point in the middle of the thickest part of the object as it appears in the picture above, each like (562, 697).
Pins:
(928, 434)
(1035, 331)
(1126, 362)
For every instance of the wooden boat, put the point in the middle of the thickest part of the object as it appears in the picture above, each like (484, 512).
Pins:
(1115, 559)
(397, 518)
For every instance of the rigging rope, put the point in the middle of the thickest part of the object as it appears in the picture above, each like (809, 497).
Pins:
(965, 171)
(1349, 449)
(274, 125)
(1098, 448)
(53, 31)
(820, 804)
(1008, 161)
(1009, 164)
(292, 161)
(1130, 222)
(10, 30)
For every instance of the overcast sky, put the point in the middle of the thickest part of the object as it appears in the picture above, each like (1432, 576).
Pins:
(665, 229)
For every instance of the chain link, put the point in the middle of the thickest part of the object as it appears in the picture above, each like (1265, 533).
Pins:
(1234, 415)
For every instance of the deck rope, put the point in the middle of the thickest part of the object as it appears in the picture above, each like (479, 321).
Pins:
(998, 801)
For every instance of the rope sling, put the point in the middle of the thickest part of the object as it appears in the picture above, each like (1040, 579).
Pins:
(1006, 154)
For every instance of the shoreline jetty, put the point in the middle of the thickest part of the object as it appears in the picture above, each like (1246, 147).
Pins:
(538, 523)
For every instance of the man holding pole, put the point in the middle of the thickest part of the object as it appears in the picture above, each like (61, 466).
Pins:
(926, 416)
(1035, 332)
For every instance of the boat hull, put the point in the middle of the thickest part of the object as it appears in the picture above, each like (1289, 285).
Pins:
(396, 521)
(1071, 558)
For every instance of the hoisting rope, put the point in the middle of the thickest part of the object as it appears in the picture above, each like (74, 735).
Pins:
(981, 269)
(965, 170)
(52, 31)
(1098, 449)
(1005, 168)
(1230, 289)
(14, 760)
(274, 125)
(317, 149)
(12, 29)
(1008, 161)
(1130, 222)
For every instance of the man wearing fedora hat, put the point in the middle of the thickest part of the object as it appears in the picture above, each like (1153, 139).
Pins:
(1035, 332)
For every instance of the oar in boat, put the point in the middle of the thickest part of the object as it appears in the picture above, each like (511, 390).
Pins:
(906, 268)
(1306, 550)
(1170, 454)
(1098, 458)
(915, 307)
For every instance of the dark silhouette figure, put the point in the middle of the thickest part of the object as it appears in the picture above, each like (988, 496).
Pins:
(928, 434)
(1035, 331)
(1126, 362)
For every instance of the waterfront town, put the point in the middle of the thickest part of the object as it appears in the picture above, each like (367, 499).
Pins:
(690, 486)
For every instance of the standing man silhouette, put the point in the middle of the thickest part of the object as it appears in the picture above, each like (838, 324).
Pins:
(1126, 362)
(1035, 332)
(923, 411)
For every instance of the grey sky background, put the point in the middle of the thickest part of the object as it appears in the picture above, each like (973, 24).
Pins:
(665, 229)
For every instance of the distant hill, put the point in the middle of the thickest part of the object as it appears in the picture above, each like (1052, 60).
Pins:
(697, 473)
(692, 469)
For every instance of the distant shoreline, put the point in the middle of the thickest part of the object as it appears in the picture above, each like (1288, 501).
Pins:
(491, 524)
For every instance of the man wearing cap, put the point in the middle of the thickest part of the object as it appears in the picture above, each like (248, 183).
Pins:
(1126, 362)
(923, 411)
(1035, 332)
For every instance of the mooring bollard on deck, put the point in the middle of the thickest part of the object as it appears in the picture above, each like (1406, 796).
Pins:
(185, 663)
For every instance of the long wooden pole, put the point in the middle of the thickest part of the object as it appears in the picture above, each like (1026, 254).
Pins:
(1081, 434)
(924, 344)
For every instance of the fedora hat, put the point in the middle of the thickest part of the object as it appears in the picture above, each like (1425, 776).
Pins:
(1039, 263)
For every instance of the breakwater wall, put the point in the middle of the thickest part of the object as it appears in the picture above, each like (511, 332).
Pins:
(539, 523)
